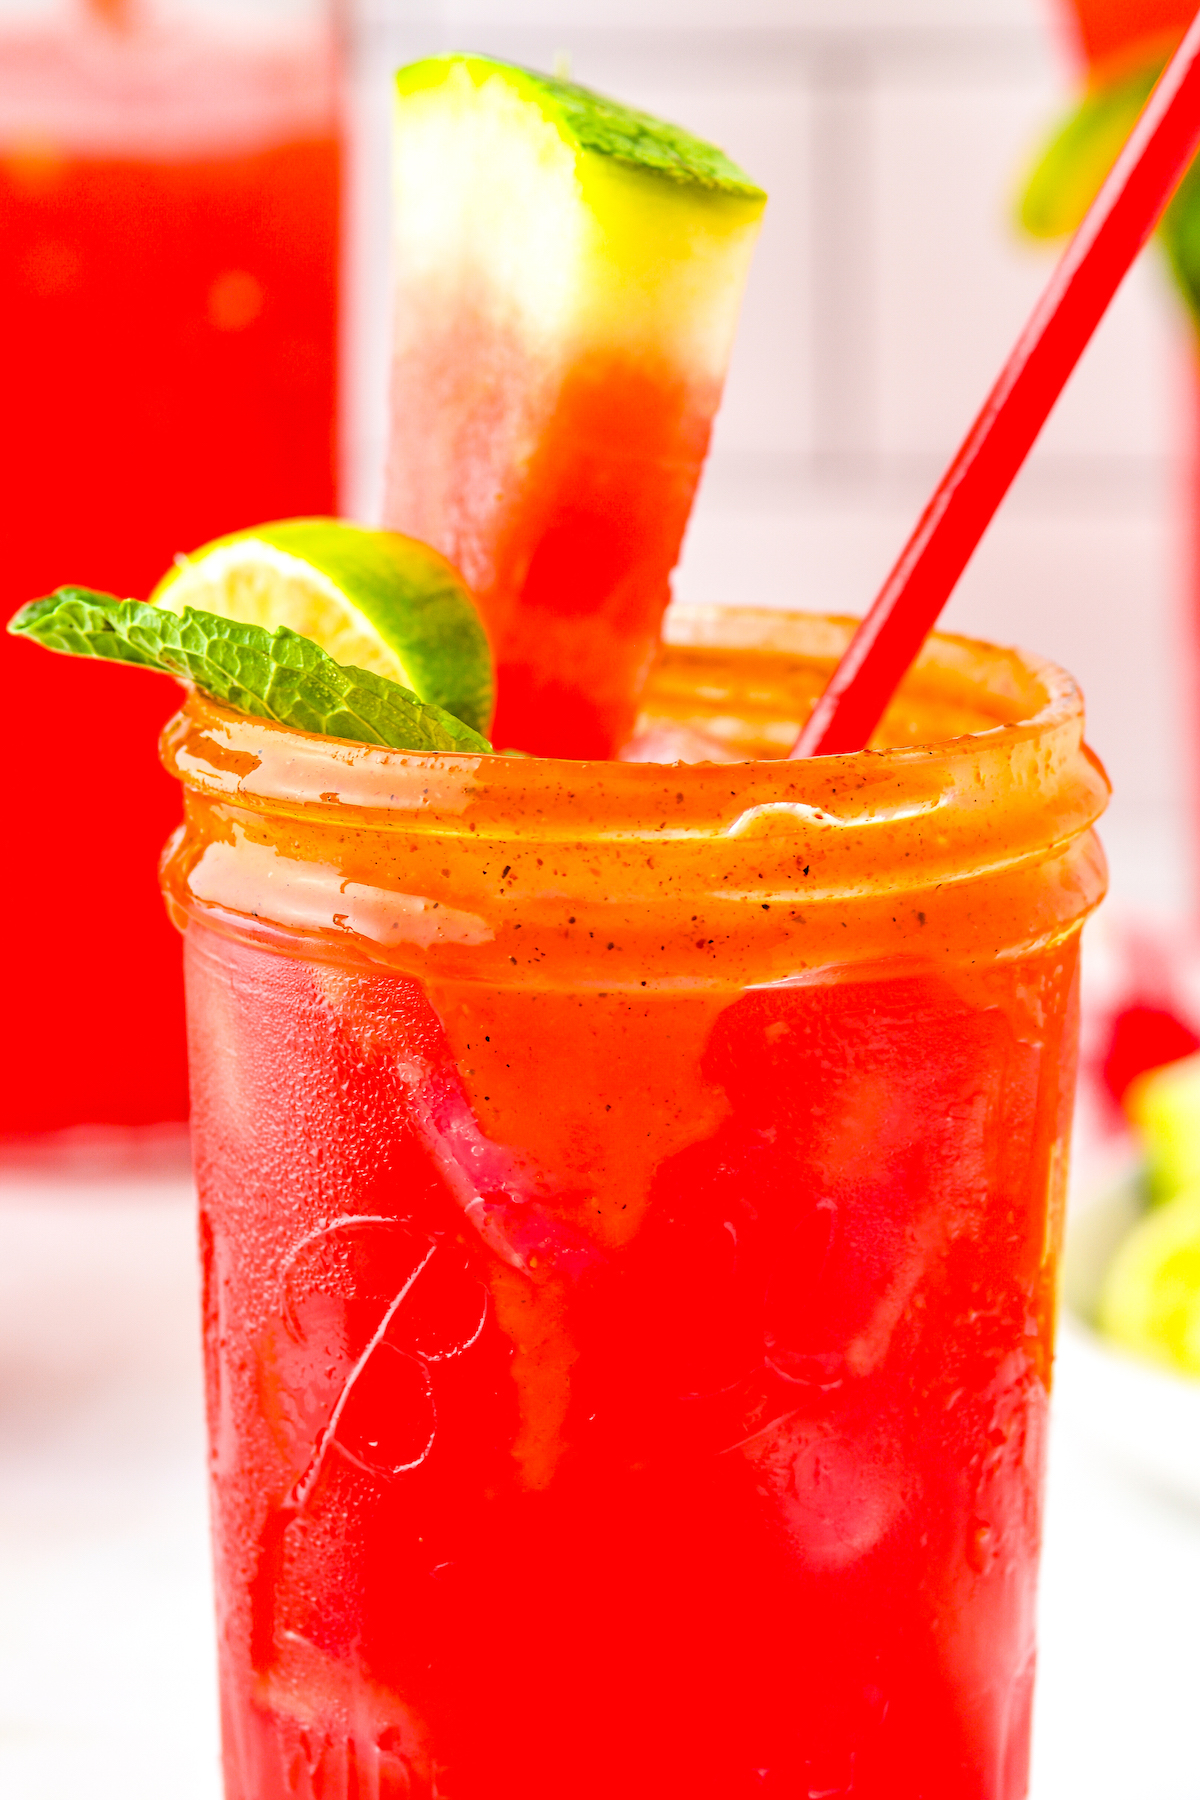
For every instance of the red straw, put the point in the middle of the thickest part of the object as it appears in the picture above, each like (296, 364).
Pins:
(1123, 215)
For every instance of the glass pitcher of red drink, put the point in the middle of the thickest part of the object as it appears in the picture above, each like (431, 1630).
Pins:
(169, 182)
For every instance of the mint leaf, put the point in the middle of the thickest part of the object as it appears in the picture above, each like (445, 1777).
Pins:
(1074, 164)
(272, 675)
(1072, 167)
(1179, 234)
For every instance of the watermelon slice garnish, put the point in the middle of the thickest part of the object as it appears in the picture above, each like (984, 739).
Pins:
(568, 278)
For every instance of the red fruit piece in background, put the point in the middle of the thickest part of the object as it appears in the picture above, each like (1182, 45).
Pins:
(1143, 1037)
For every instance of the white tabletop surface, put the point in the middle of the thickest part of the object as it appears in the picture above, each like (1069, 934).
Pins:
(106, 1676)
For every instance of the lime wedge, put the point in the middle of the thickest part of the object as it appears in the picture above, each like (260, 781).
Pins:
(1150, 1300)
(1164, 1104)
(371, 599)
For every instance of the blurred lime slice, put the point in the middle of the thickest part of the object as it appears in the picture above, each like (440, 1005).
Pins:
(1150, 1297)
(371, 599)
(1164, 1104)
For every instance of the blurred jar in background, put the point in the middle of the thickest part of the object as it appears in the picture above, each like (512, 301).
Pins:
(1123, 45)
(1117, 32)
(169, 198)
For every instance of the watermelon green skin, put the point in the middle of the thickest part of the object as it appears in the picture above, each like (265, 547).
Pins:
(568, 278)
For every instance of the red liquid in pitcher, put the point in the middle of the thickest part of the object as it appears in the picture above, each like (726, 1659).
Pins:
(168, 348)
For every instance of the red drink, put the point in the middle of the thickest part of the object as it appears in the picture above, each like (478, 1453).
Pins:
(630, 1201)
(168, 298)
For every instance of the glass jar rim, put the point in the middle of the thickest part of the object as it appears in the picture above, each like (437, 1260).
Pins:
(1036, 735)
(489, 864)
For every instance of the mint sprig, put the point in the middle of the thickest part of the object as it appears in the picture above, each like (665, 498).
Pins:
(275, 675)
(1073, 165)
